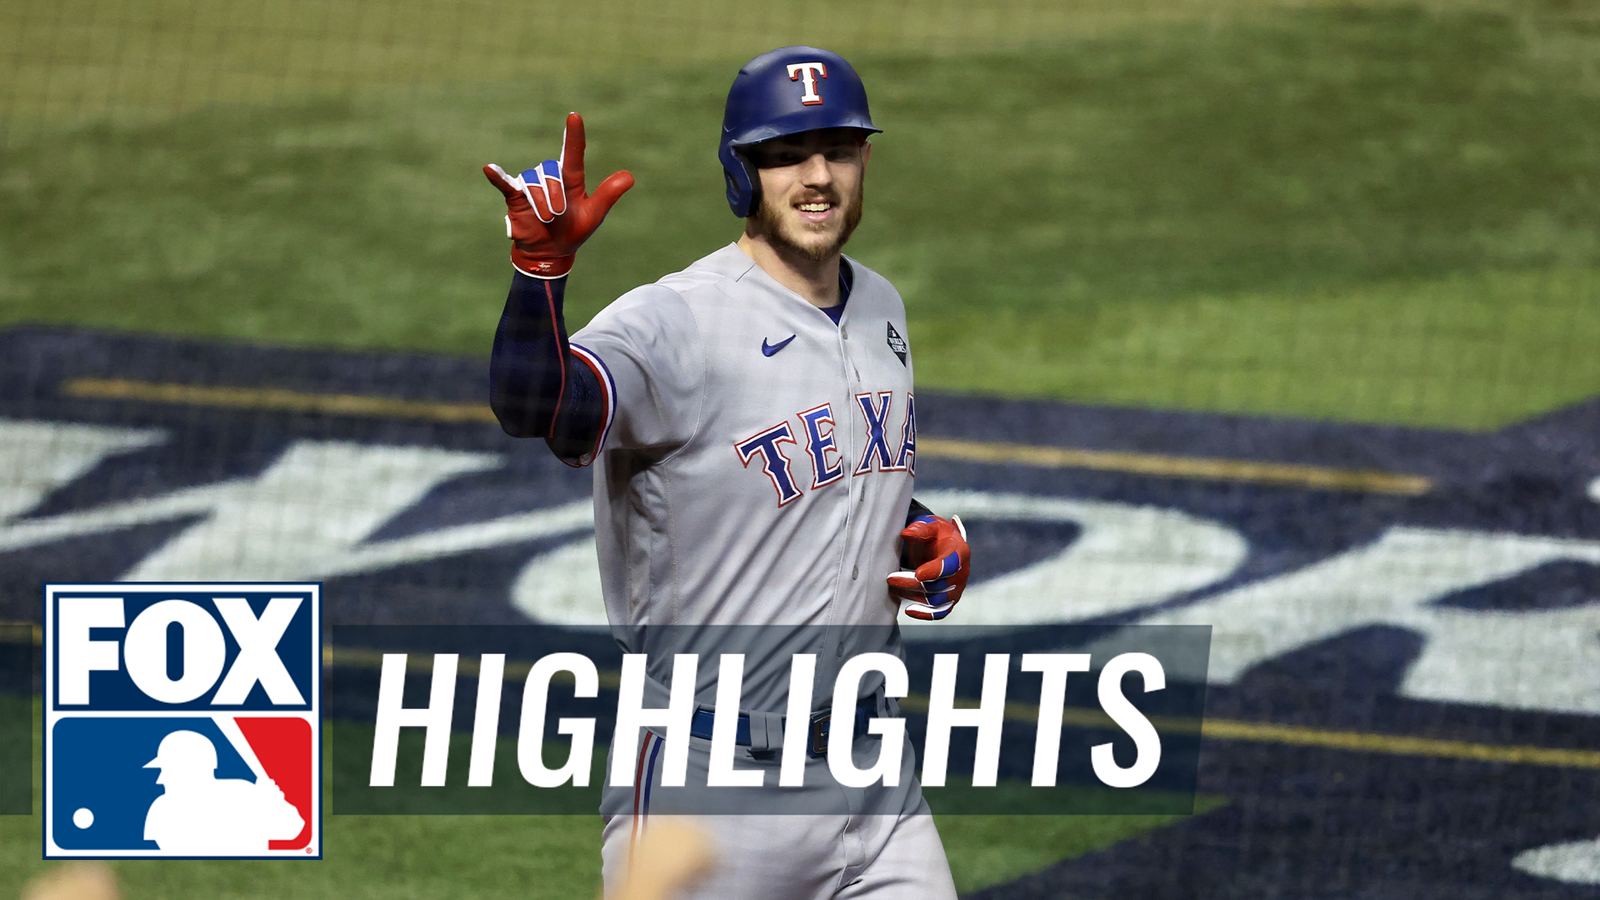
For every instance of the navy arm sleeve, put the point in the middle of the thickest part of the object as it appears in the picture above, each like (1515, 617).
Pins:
(537, 388)
(916, 511)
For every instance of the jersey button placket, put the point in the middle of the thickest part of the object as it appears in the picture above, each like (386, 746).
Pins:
(850, 369)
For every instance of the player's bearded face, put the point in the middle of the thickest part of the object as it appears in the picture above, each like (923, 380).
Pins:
(811, 192)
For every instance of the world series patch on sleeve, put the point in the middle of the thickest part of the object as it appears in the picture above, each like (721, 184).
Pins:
(182, 721)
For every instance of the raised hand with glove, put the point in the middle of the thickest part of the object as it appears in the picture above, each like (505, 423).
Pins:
(549, 213)
(937, 552)
(537, 387)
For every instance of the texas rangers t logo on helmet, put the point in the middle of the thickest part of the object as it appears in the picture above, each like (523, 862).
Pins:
(809, 72)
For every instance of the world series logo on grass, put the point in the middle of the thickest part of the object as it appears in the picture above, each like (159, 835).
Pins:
(182, 720)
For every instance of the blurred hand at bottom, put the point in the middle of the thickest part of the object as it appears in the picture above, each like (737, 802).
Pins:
(673, 854)
(74, 881)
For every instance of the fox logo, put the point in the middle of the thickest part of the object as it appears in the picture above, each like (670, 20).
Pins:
(182, 720)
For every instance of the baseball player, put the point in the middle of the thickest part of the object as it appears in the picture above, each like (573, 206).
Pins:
(752, 425)
(202, 814)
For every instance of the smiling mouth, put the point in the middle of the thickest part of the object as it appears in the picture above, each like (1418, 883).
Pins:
(815, 212)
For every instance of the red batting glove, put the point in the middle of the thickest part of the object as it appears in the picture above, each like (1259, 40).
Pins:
(938, 549)
(548, 213)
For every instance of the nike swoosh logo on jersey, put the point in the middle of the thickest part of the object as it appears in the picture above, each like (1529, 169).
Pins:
(769, 349)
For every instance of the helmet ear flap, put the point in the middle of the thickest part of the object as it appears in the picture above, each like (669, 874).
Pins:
(743, 181)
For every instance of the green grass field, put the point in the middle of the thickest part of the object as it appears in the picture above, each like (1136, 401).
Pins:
(1379, 212)
(404, 857)
(1376, 211)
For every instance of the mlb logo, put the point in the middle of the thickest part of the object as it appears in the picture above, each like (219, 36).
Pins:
(182, 720)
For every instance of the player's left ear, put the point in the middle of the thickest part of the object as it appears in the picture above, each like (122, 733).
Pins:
(866, 152)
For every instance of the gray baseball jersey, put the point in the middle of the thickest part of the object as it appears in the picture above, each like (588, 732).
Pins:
(755, 469)
(758, 459)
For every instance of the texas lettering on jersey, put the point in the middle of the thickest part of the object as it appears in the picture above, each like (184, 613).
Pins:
(822, 448)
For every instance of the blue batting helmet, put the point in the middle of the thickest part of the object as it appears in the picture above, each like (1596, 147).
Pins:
(785, 91)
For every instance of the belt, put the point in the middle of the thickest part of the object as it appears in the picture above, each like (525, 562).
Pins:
(700, 726)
